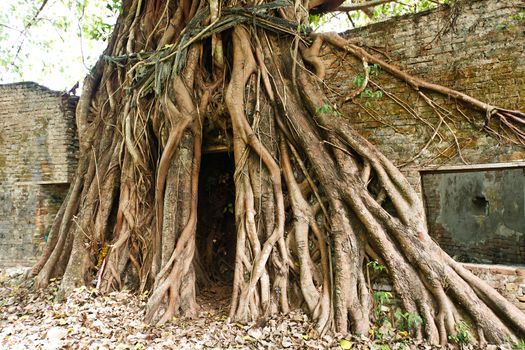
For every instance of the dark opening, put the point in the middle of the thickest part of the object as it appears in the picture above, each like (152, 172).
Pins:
(481, 205)
(216, 238)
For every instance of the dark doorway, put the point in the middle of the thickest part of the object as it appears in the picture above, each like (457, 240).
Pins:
(216, 238)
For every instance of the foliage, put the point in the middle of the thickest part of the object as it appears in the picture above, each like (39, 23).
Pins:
(381, 309)
(55, 45)
(396, 8)
(368, 93)
(407, 321)
(327, 109)
(315, 20)
(376, 266)
(519, 345)
(382, 297)
(343, 21)
(228, 208)
(512, 21)
(76, 31)
(359, 80)
(463, 334)
(374, 70)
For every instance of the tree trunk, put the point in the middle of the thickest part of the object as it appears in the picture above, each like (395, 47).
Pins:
(309, 189)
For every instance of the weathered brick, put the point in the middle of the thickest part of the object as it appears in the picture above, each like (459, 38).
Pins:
(37, 161)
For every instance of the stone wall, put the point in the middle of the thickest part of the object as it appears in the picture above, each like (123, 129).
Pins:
(38, 150)
(476, 47)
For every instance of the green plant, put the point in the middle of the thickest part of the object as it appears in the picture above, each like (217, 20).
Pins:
(327, 109)
(228, 209)
(304, 29)
(511, 21)
(519, 345)
(407, 321)
(374, 70)
(371, 94)
(359, 80)
(463, 334)
(382, 297)
(376, 266)
(314, 20)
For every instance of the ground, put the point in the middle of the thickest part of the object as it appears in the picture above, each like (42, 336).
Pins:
(88, 320)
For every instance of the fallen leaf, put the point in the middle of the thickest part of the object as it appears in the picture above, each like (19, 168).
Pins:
(345, 344)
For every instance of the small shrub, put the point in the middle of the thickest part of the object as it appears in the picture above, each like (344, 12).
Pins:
(463, 335)
(327, 109)
(407, 321)
(376, 266)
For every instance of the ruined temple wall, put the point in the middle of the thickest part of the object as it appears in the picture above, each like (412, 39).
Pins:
(38, 151)
(476, 47)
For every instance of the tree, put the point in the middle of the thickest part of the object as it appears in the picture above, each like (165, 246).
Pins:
(310, 191)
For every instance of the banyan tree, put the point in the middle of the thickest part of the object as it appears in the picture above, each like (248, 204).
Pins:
(308, 209)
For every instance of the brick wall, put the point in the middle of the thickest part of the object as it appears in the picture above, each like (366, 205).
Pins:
(477, 48)
(37, 161)
(509, 281)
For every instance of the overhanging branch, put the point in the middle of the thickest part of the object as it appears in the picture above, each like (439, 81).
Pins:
(356, 7)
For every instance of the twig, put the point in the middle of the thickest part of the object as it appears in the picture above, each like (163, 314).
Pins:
(26, 29)
(356, 7)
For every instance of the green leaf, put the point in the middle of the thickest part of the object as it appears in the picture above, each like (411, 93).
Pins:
(359, 80)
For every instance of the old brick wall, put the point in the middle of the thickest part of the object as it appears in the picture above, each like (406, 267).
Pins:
(477, 47)
(509, 281)
(38, 151)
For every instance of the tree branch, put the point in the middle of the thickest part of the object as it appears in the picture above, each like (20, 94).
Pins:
(26, 29)
(362, 6)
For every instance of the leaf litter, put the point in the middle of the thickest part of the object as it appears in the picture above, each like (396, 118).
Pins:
(87, 319)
